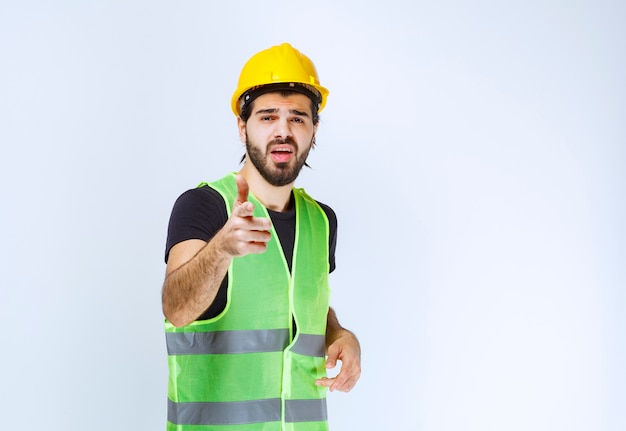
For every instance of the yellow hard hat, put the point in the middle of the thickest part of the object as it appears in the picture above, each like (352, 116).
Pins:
(277, 68)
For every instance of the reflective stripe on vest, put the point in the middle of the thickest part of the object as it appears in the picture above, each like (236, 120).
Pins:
(225, 342)
(234, 413)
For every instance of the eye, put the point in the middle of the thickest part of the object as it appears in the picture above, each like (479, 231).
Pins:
(298, 120)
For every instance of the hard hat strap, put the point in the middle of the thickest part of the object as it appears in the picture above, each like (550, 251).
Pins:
(308, 90)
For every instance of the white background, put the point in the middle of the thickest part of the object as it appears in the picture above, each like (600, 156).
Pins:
(473, 151)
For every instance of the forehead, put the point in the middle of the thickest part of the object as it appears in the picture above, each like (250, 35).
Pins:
(295, 101)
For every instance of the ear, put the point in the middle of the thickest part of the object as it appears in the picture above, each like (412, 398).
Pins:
(241, 126)
(314, 132)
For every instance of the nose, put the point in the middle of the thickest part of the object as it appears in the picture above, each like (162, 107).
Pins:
(283, 129)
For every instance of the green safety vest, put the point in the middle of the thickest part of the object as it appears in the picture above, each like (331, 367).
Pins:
(245, 369)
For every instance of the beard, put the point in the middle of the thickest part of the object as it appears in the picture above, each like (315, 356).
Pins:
(277, 174)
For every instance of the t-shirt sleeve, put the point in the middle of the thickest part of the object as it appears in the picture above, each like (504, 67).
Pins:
(197, 214)
(332, 225)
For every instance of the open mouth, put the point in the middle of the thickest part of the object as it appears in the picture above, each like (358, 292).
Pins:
(281, 153)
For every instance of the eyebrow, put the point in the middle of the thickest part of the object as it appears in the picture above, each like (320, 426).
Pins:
(275, 110)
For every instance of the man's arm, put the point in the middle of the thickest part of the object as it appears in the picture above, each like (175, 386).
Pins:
(341, 345)
(195, 268)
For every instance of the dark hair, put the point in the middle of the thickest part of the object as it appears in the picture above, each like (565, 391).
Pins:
(246, 109)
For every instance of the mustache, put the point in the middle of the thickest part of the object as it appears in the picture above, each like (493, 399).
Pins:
(282, 141)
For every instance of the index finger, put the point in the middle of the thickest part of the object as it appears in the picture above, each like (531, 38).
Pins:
(242, 189)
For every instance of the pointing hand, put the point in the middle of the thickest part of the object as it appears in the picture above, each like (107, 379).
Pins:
(244, 234)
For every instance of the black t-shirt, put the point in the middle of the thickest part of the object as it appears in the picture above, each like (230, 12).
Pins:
(199, 213)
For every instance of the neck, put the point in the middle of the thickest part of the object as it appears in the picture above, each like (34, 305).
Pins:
(272, 197)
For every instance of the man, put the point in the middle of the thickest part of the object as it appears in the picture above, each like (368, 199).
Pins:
(249, 329)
